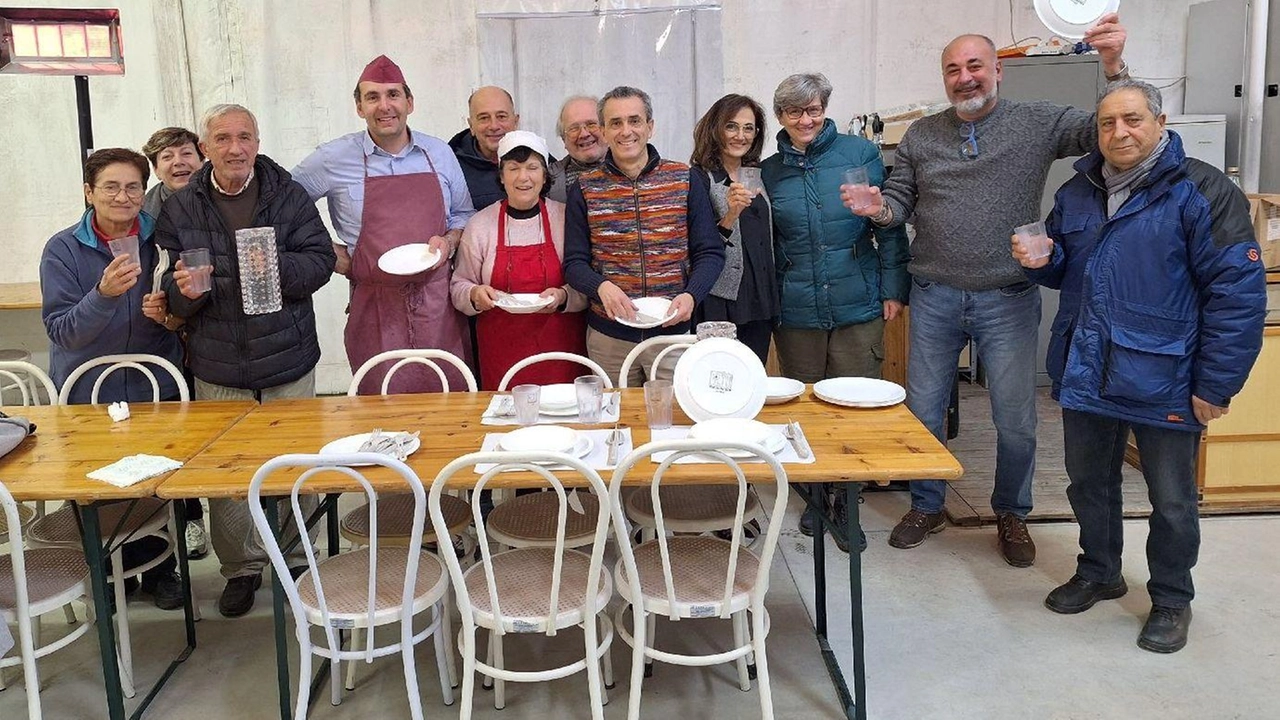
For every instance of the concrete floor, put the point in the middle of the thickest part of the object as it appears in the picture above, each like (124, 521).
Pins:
(952, 632)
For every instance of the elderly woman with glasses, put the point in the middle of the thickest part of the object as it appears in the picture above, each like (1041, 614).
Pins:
(841, 278)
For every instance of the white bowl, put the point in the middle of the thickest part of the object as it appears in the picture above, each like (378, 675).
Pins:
(778, 390)
(657, 308)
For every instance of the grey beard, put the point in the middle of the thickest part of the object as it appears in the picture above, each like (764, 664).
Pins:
(973, 105)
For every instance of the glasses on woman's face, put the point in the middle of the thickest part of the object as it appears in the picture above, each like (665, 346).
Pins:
(733, 128)
(969, 143)
(813, 111)
(133, 191)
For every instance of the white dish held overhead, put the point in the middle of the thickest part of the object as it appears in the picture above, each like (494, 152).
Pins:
(739, 430)
(650, 313)
(859, 392)
(778, 390)
(540, 438)
(408, 259)
(352, 444)
(523, 303)
(719, 377)
(1071, 18)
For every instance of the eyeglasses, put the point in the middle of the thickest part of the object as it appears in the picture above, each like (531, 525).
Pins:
(813, 111)
(969, 145)
(579, 128)
(112, 190)
(733, 128)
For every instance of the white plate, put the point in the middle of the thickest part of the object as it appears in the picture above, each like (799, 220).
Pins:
(657, 308)
(860, 392)
(548, 438)
(523, 303)
(778, 390)
(408, 259)
(719, 377)
(558, 399)
(582, 449)
(739, 430)
(1070, 18)
(351, 444)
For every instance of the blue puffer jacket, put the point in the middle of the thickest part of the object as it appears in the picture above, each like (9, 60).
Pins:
(830, 272)
(1162, 301)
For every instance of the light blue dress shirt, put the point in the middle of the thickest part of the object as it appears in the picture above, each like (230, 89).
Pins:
(336, 171)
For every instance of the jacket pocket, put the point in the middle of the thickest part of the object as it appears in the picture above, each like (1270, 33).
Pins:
(1150, 364)
(1059, 346)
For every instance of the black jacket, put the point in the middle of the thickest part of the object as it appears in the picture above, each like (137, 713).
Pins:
(481, 172)
(225, 346)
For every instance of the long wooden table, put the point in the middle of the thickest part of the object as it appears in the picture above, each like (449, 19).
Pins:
(849, 445)
(72, 440)
(20, 296)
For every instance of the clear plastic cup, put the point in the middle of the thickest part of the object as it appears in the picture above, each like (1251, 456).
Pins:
(858, 185)
(751, 180)
(125, 246)
(716, 328)
(1033, 239)
(590, 392)
(197, 263)
(658, 395)
(527, 399)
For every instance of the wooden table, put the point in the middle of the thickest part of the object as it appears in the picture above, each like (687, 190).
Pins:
(20, 296)
(72, 440)
(849, 446)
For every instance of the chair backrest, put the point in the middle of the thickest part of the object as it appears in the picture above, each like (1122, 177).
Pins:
(671, 343)
(10, 369)
(312, 466)
(412, 356)
(527, 462)
(592, 365)
(117, 362)
(22, 606)
(711, 450)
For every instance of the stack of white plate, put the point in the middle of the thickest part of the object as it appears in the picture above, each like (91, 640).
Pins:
(719, 378)
(560, 399)
(546, 438)
(739, 430)
(860, 392)
(780, 389)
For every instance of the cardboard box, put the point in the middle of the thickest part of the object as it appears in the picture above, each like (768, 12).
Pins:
(1265, 210)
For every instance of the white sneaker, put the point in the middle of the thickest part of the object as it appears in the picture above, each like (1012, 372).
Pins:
(197, 540)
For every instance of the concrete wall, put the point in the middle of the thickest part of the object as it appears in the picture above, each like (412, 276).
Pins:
(294, 63)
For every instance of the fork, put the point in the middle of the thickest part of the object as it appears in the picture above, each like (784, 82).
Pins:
(795, 435)
(372, 442)
(613, 442)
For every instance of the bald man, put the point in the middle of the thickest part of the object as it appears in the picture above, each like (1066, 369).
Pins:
(969, 176)
(491, 114)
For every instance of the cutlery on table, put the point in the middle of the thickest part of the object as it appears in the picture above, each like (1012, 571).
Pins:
(796, 437)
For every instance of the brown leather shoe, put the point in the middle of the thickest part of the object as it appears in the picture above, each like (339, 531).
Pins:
(914, 527)
(1016, 545)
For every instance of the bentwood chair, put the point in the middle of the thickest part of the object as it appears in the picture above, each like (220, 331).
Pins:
(27, 379)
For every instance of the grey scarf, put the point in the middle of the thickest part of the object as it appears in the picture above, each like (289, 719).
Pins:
(1120, 183)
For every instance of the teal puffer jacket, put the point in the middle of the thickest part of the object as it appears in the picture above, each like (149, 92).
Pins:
(830, 271)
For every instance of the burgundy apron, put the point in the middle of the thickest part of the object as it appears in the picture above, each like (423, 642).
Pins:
(505, 338)
(391, 312)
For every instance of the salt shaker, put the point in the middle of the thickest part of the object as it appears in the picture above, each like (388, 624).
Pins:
(259, 270)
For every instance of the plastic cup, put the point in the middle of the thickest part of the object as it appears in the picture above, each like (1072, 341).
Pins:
(201, 268)
(1033, 240)
(751, 180)
(717, 328)
(590, 392)
(658, 395)
(527, 398)
(125, 246)
(858, 185)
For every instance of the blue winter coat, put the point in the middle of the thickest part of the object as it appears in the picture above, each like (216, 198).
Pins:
(830, 273)
(1162, 301)
(83, 324)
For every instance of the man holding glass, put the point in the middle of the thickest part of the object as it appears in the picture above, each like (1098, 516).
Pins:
(968, 176)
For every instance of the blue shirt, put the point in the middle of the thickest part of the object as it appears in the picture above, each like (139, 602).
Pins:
(336, 171)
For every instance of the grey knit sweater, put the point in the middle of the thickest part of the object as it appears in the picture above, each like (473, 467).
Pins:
(966, 209)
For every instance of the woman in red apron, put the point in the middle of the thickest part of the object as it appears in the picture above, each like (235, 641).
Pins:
(516, 246)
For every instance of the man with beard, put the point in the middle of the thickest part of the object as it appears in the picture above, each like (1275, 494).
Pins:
(969, 176)
(579, 129)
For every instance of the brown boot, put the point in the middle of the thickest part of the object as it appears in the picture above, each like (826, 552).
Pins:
(914, 527)
(1016, 546)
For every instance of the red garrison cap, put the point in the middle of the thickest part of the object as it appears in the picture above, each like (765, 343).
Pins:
(381, 70)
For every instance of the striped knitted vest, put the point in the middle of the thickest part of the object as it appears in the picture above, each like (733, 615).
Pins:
(639, 232)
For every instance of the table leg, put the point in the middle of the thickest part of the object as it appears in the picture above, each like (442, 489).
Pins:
(91, 538)
(331, 512)
(271, 507)
(184, 569)
(853, 531)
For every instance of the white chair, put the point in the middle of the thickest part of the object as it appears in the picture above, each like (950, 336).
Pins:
(364, 588)
(531, 520)
(412, 356)
(668, 343)
(26, 378)
(137, 362)
(32, 583)
(696, 576)
(534, 589)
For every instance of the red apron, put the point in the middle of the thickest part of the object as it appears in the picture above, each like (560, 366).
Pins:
(390, 312)
(506, 339)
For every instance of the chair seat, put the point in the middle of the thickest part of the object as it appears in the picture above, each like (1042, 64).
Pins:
(699, 566)
(51, 573)
(345, 579)
(25, 513)
(59, 527)
(395, 520)
(691, 508)
(531, 520)
(524, 578)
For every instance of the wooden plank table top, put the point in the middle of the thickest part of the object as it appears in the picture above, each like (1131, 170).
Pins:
(72, 440)
(20, 296)
(848, 444)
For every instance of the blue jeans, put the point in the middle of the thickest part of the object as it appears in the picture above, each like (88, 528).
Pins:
(1004, 323)
(1094, 447)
